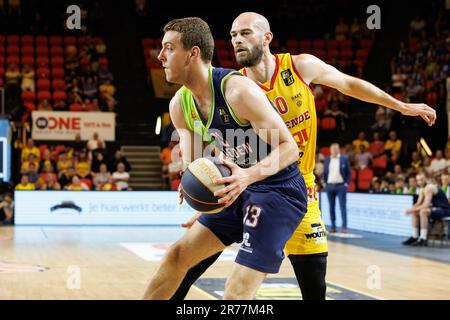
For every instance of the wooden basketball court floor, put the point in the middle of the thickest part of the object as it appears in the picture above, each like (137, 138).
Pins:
(94, 263)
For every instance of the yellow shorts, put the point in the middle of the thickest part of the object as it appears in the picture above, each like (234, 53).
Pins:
(310, 237)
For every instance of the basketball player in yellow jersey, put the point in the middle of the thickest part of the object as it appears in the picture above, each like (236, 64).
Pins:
(285, 79)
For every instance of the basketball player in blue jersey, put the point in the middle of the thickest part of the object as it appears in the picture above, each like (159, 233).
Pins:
(265, 199)
(285, 78)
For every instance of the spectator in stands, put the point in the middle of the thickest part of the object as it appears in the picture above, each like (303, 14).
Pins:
(30, 148)
(121, 177)
(376, 147)
(439, 163)
(104, 74)
(78, 145)
(33, 175)
(107, 88)
(109, 186)
(400, 187)
(66, 177)
(398, 78)
(384, 186)
(417, 26)
(412, 185)
(76, 185)
(25, 167)
(101, 177)
(60, 105)
(175, 167)
(64, 163)
(166, 159)
(95, 106)
(12, 82)
(89, 88)
(392, 187)
(445, 184)
(387, 115)
(375, 185)
(333, 110)
(45, 106)
(24, 184)
(118, 158)
(416, 162)
(7, 209)
(94, 142)
(47, 161)
(342, 30)
(432, 204)
(355, 30)
(360, 141)
(50, 184)
(413, 91)
(337, 175)
(83, 166)
(398, 172)
(97, 161)
(47, 171)
(393, 145)
(28, 78)
(363, 159)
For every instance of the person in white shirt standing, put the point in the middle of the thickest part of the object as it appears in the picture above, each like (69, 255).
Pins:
(337, 175)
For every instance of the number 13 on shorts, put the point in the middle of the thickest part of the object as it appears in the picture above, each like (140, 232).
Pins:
(252, 215)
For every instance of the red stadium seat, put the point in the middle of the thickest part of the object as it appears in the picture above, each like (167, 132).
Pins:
(2, 50)
(366, 44)
(345, 44)
(41, 41)
(56, 41)
(292, 43)
(56, 51)
(28, 60)
(43, 85)
(354, 174)
(220, 43)
(57, 62)
(27, 40)
(58, 73)
(362, 54)
(103, 61)
(321, 54)
(30, 107)
(28, 97)
(352, 187)
(275, 44)
(58, 85)
(12, 60)
(2, 39)
(380, 162)
(42, 61)
(27, 50)
(346, 54)
(328, 123)
(364, 179)
(2, 71)
(70, 41)
(76, 107)
(43, 72)
(44, 95)
(332, 54)
(59, 96)
(12, 50)
(331, 44)
(42, 51)
(2, 60)
(305, 45)
(87, 182)
(319, 44)
(325, 151)
(13, 40)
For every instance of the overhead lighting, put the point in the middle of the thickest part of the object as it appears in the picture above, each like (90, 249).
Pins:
(158, 126)
(425, 147)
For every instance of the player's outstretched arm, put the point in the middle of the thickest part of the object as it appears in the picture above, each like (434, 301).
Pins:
(251, 105)
(314, 70)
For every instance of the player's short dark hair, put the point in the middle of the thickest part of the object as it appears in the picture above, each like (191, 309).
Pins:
(194, 32)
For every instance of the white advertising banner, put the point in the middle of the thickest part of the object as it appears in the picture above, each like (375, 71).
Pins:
(61, 125)
(381, 213)
(100, 208)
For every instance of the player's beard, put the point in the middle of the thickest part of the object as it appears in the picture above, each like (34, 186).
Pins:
(253, 57)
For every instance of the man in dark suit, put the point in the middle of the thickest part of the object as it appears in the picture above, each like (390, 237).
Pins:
(337, 175)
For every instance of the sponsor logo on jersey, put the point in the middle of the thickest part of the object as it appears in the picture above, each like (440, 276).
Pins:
(224, 116)
(297, 120)
(297, 99)
(287, 77)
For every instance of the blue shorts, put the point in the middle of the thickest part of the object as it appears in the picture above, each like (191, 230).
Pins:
(263, 218)
(438, 213)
